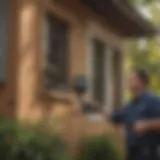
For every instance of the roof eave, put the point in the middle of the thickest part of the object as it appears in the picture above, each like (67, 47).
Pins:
(123, 14)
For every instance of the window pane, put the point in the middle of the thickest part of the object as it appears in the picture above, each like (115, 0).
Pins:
(117, 78)
(99, 70)
(57, 56)
(4, 13)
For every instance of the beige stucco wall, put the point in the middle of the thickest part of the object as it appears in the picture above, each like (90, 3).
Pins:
(24, 95)
(85, 25)
(24, 90)
(27, 55)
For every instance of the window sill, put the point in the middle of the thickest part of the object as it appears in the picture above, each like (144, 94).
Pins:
(95, 117)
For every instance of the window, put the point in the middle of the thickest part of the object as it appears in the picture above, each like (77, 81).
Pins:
(56, 75)
(99, 71)
(4, 14)
(117, 78)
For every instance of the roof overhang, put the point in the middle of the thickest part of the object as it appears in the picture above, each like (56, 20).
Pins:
(123, 16)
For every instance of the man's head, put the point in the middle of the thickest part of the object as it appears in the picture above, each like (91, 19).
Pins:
(138, 81)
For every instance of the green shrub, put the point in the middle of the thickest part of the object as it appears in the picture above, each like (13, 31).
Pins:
(17, 143)
(98, 148)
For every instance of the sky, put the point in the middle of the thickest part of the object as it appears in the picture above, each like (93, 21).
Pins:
(145, 11)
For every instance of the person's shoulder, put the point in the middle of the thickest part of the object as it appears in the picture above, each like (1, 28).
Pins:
(127, 105)
(153, 107)
(153, 98)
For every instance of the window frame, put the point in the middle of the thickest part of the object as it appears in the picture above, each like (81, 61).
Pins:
(65, 86)
(90, 61)
(96, 43)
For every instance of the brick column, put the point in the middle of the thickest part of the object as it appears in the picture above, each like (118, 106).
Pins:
(29, 56)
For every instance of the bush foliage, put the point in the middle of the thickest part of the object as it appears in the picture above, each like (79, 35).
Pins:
(99, 148)
(22, 143)
(18, 143)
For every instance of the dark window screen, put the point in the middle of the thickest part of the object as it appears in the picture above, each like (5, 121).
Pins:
(57, 56)
(117, 78)
(4, 17)
(99, 71)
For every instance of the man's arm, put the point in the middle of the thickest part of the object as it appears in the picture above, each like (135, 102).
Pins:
(153, 123)
(117, 116)
(145, 126)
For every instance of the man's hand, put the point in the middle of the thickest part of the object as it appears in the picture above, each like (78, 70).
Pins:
(141, 127)
(144, 126)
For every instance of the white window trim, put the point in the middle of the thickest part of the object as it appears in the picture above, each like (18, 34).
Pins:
(90, 74)
(111, 41)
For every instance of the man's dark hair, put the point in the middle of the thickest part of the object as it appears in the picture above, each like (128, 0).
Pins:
(143, 75)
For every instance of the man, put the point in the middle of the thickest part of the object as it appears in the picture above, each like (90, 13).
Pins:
(141, 118)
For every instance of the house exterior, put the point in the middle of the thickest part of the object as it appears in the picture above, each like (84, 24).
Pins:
(47, 43)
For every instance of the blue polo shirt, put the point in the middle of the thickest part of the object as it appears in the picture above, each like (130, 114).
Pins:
(146, 106)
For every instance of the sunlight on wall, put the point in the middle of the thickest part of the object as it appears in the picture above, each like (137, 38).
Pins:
(28, 15)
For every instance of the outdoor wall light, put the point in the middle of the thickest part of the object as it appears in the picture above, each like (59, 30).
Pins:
(80, 85)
